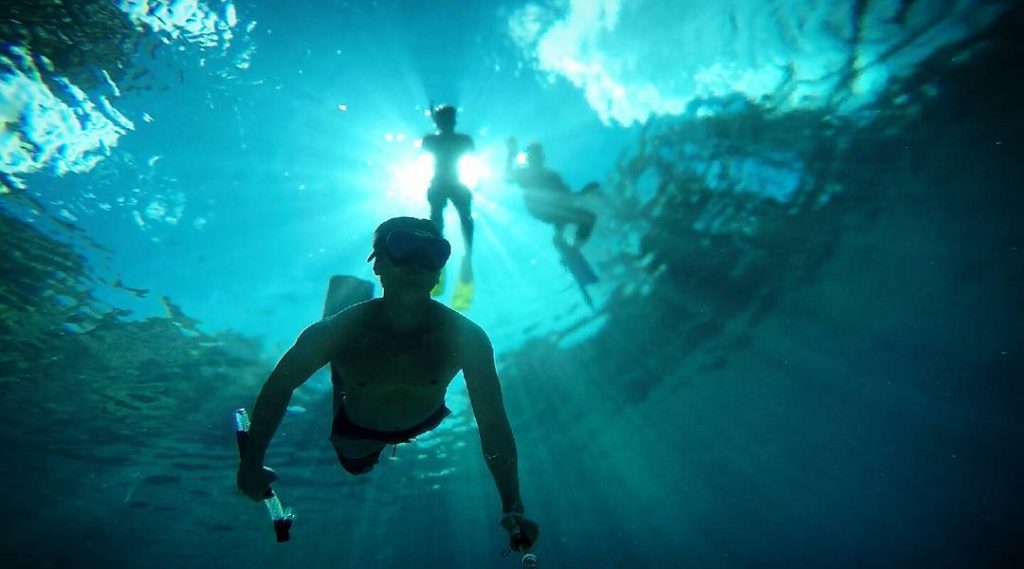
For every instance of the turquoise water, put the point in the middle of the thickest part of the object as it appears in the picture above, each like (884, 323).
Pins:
(804, 349)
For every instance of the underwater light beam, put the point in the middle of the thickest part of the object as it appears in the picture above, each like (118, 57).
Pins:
(410, 176)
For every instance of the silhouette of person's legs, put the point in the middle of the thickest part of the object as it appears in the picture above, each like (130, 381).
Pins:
(566, 215)
(462, 199)
(585, 225)
(438, 199)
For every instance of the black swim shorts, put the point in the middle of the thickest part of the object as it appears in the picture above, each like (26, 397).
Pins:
(343, 429)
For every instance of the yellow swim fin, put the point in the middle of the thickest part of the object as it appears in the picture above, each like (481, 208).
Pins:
(463, 296)
(438, 289)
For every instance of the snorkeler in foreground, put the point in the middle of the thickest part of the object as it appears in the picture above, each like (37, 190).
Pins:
(448, 147)
(392, 360)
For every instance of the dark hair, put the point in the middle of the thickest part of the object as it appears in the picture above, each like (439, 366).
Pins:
(380, 235)
(444, 113)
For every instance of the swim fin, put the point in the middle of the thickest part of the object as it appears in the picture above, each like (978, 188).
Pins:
(438, 289)
(577, 265)
(463, 296)
(344, 291)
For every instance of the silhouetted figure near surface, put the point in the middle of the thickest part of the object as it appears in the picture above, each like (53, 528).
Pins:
(548, 197)
(392, 360)
(448, 147)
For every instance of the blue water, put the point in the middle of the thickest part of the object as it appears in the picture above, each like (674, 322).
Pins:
(805, 348)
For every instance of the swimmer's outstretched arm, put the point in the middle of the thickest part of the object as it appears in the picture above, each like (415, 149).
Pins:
(496, 439)
(310, 352)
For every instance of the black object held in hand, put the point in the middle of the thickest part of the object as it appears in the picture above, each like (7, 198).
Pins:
(279, 515)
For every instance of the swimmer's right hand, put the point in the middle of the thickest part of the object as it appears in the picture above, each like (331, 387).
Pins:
(254, 481)
(522, 532)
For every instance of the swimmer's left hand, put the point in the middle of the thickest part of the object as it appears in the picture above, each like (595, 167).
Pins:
(254, 481)
(522, 532)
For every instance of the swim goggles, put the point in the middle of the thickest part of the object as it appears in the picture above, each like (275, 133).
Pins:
(408, 247)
